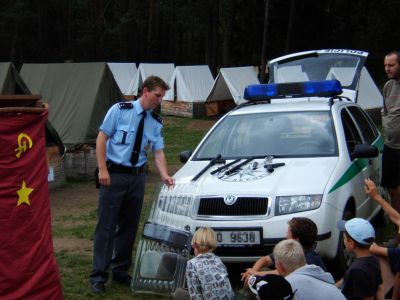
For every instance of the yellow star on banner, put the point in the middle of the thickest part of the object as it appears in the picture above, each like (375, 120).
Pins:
(23, 194)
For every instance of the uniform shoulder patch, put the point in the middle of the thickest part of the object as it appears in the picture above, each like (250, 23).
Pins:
(125, 105)
(157, 117)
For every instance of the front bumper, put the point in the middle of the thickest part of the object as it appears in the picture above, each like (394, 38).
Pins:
(274, 229)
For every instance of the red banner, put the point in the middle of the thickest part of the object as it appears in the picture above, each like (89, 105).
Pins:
(28, 268)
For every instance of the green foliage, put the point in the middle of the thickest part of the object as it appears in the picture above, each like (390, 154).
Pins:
(191, 32)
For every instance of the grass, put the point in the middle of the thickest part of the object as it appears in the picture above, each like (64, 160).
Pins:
(74, 215)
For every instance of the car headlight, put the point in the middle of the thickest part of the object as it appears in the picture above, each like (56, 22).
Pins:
(291, 204)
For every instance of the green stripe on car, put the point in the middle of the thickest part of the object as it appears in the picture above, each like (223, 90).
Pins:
(356, 167)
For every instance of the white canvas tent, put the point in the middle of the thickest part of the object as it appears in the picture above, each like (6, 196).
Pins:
(369, 96)
(164, 71)
(228, 88)
(190, 83)
(123, 73)
(190, 86)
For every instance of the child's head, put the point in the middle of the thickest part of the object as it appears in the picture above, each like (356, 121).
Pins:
(289, 256)
(304, 230)
(271, 287)
(204, 240)
(358, 231)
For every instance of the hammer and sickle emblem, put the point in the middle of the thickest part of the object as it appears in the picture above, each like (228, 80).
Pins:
(23, 138)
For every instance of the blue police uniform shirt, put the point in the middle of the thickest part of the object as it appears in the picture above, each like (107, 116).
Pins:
(121, 124)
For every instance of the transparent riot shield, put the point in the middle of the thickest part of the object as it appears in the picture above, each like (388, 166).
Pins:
(161, 260)
(164, 247)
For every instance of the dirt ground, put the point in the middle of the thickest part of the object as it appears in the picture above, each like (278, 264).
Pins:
(66, 202)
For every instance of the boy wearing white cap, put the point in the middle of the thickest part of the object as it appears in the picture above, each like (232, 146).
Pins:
(363, 278)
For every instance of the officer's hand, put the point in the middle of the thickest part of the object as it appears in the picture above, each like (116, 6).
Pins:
(104, 177)
(169, 181)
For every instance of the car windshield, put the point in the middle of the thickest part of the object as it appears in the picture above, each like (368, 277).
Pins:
(344, 68)
(281, 134)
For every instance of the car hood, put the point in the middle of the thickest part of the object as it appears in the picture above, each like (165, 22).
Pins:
(299, 176)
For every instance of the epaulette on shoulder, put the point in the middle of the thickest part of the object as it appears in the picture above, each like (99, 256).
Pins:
(157, 117)
(125, 105)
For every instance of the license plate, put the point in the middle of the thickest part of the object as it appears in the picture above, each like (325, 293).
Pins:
(238, 237)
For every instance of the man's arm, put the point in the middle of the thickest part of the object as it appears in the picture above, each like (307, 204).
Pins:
(161, 164)
(371, 190)
(396, 287)
(378, 250)
(104, 176)
(264, 261)
(379, 293)
(339, 283)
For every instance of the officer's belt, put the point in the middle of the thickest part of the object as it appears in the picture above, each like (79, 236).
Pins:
(115, 168)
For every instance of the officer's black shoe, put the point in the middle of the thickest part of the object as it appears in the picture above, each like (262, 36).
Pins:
(122, 278)
(98, 287)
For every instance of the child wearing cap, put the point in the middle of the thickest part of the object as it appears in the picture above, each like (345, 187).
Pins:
(391, 256)
(362, 279)
(271, 287)
(206, 275)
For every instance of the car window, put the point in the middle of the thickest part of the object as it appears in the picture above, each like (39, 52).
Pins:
(367, 129)
(352, 136)
(344, 68)
(278, 134)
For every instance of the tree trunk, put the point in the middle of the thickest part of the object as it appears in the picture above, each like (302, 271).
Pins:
(227, 41)
(69, 53)
(14, 42)
(290, 30)
(149, 42)
(264, 44)
(123, 32)
(212, 36)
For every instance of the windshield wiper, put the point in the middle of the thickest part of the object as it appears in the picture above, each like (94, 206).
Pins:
(216, 160)
(225, 166)
(238, 166)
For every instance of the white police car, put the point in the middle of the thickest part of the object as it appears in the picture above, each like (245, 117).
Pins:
(294, 149)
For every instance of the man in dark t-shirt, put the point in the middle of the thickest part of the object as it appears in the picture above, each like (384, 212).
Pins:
(391, 124)
(363, 278)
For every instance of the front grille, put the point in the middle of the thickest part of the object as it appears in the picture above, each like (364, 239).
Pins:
(244, 206)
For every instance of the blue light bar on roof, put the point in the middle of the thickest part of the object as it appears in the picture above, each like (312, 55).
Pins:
(262, 92)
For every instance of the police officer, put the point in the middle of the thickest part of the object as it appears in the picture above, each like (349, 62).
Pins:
(128, 131)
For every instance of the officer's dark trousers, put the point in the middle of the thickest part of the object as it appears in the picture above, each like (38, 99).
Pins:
(120, 205)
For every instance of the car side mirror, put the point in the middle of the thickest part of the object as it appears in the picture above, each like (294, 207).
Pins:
(185, 155)
(364, 151)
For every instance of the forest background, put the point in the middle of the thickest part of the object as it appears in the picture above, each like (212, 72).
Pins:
(219, 33)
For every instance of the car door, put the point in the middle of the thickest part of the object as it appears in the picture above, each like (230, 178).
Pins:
(359, 167)
(371, 136)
